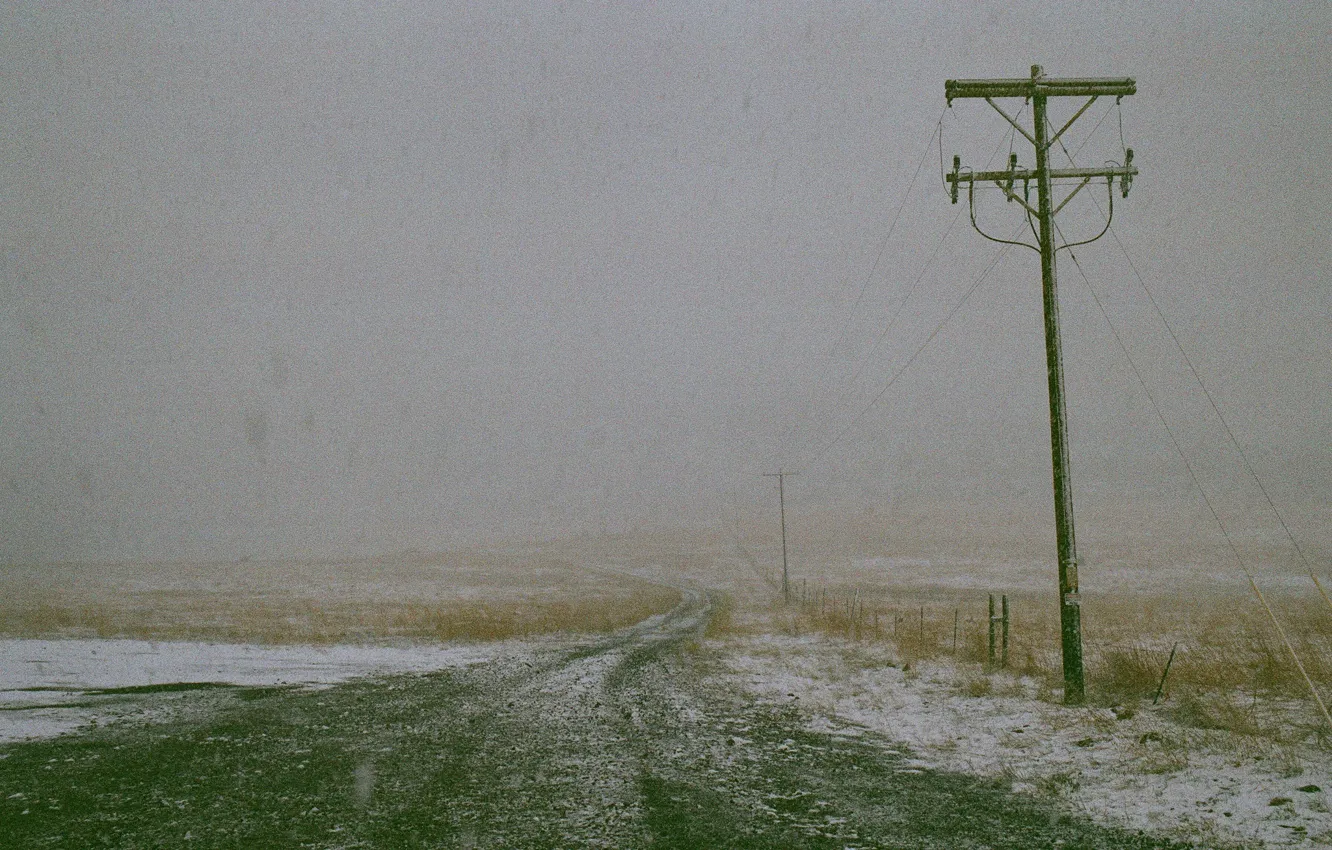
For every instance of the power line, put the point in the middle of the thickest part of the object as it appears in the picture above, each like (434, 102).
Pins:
(974, 286)
(1092, 134)
(1157, 409)
(1212, 401)
(884, 244)
(1253, 582)
(846, 324)
(1244, 458)
(892, 321)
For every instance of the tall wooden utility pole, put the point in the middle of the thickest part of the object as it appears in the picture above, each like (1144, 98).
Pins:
(1037, 90)
(781, 501)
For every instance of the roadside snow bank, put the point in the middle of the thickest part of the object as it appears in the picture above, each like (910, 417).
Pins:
(1132, 769)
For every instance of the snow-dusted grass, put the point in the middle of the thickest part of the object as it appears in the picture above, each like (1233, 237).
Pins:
(50, 687)
(460, 596)
(1220, 761)
(1231, 671)
(68, 633)
(1129, 764)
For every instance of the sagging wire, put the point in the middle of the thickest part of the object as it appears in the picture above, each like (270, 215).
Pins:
(971, 202)
(813, 434)
(1253, 582)
(1068, 246)
(800, 420)
(1120, 109)
(892, 322)
(902, 369)
(1031, 221)
(878, 258)
(1244, 458)
(943, 179)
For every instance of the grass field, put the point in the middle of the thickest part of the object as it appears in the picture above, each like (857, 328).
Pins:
(885, 632)
(921, 589)
(921, 597)
(1231, 669)
(1234, 755)
(457, 596)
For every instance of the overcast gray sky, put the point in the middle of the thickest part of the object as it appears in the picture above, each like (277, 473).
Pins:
(285, 278)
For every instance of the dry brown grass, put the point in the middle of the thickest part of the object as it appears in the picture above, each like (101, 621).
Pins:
(466, 596)
(900, 595)
(1231, 671)
(1141, 594)
(723, 617)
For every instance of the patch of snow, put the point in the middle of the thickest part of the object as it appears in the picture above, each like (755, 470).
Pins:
(1140, 772)
(44, 683)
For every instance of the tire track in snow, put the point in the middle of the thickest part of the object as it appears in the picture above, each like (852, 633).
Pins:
(623, 741)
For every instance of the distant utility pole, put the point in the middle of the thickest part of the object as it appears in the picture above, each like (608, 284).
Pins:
(781, 502)
(1037, 90)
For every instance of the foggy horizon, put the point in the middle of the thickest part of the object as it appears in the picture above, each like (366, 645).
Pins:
(310, 280)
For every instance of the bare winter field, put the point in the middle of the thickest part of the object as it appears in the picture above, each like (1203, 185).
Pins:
(457, 596)
(923, 584)
(893, 636)
(1231, 669)
(884, 632)
(74, 639)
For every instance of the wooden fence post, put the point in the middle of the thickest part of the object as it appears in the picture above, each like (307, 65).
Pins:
(1004, 655)
(991, 652)
(1169, 661)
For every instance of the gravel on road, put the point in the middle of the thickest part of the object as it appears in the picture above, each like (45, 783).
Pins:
(600, 742)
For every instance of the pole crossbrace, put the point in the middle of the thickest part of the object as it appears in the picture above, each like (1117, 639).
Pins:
(1011, 120)
(1069, 123)
(1071, 195)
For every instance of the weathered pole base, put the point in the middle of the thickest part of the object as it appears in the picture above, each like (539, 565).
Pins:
(1070, 623)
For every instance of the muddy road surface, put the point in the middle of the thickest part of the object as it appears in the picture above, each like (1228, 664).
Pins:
(623, 741)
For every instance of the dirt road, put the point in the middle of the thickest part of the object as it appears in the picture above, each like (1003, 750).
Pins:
(614, 742)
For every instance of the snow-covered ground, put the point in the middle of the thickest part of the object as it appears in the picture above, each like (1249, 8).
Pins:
(1117, 578)
(1134, 770)
(48, 687)
(1131, 769)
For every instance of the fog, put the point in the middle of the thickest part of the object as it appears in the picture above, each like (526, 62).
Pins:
(335, 278)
